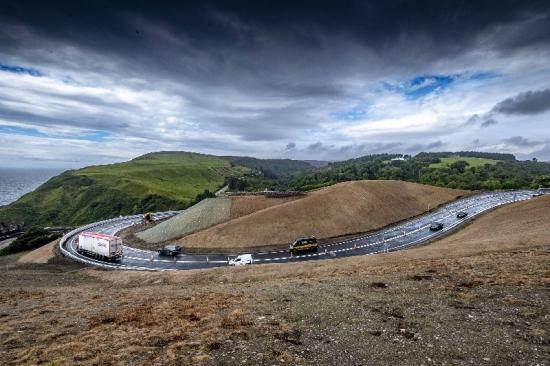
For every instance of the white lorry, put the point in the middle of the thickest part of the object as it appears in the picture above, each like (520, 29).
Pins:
(97, 245)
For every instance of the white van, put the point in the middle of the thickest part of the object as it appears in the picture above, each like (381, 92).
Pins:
(241, 260)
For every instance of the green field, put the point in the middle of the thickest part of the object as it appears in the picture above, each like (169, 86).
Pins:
(152, 182)
(472, 162)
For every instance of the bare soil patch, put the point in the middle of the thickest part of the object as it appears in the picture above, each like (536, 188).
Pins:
(345, 208)
(40, 255)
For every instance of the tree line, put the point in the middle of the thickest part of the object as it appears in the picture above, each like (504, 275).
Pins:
(507, 173)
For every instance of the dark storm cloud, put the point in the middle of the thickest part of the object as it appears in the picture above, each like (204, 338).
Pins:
(530, 102)
(245, 41)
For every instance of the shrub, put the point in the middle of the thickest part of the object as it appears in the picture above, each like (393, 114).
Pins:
(31, 239)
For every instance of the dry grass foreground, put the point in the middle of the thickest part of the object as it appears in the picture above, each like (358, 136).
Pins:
(342, 209)
(479, 296)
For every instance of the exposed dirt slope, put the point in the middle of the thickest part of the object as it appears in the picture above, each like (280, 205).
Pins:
(40, 255)
(341, 209)
(245, 205)
(202, 215)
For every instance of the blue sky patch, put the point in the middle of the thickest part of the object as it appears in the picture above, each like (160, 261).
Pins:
(93, 136)
(421, 85)
(24, 131)
(14, 130)
(355, 114)
(21, 70)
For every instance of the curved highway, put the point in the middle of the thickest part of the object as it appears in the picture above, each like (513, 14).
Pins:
(400, 236)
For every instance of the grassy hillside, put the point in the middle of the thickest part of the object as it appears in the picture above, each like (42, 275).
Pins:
(272, 168)
(157, 181)
(472, 162)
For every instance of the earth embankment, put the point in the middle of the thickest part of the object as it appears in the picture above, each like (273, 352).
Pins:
(341, 209)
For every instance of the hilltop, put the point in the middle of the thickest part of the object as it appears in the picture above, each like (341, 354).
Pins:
(341, 209)
(158, 181)
(153, 182)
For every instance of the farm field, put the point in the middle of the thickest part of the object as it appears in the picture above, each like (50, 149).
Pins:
(472, 162)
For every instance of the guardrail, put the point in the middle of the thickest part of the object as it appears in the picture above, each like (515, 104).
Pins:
(69, 235)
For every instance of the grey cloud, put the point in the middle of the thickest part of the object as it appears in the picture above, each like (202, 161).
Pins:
(290, 146)
(521, 141)
(332, 152)
(473, 120)
(318, 146)
(483, 121)
(530, 102)
(489, 122)
(89, 122)
(425, 147)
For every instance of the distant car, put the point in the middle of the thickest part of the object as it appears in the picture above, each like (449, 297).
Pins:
(436, 226)
(538, 194)
(461, 214)
(241, 260)
(169, 250)
(303, 245)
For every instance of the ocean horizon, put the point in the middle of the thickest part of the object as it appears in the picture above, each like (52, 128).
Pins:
(16, 182)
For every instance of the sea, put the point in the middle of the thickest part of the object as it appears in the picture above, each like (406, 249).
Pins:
(15, 182)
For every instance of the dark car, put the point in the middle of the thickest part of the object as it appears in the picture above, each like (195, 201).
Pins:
(169, 250)
(436, 226)
(304, 244)
(461, 214)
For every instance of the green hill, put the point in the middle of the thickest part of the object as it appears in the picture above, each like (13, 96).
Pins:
(152, 182)
(272, 168)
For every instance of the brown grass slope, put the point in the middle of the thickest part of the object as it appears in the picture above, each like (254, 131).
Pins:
(40, 255)
(245, 205)
(344, 208)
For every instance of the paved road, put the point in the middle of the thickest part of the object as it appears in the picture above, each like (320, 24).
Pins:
(400, 236)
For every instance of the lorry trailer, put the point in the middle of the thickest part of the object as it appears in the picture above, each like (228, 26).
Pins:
(101, 246)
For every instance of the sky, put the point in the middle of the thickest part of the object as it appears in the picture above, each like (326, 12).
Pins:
(95, 82)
